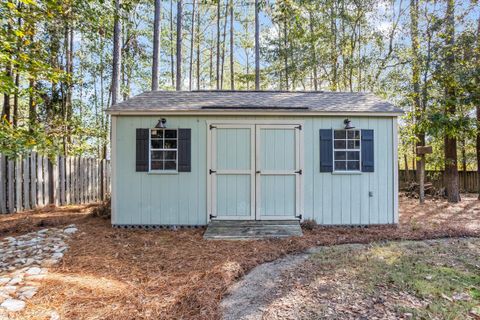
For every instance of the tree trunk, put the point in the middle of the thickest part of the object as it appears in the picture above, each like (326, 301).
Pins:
(8, 74)
(223, 46)
(117, 54)
(285, 51)
(314, 54)
(157, 31)
(218, 44)
(192, 34)
(477, 109)
(172, 65)
(416, 97)
(178, 79)
(232, 73)
(257, 46)
(333, 49)
(451, 167)
(198, 49)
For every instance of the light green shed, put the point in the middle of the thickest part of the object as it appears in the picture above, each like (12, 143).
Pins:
(186, 158)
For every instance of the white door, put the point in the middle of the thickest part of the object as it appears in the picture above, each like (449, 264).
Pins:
(254, 171)
(232, 172)
(278, 172)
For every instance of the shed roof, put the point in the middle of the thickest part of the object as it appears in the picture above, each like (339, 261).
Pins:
(255, 102)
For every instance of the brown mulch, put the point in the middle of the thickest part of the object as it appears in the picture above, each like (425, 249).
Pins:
(133, 274)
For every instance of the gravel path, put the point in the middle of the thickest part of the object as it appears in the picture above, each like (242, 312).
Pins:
(24, 262)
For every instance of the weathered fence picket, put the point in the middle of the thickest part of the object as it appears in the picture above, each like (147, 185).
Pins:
(3, 186)
(33, 181)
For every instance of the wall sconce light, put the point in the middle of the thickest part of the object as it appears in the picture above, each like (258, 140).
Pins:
(162, 124)
(348, 124)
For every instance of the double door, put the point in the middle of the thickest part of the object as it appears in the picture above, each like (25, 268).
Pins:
(254, 171)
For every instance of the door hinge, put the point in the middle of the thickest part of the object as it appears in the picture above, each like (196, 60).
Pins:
(299, 127)
(299, 217)
(212, 171)
(299, 171)
(212, 216)
(212, 126)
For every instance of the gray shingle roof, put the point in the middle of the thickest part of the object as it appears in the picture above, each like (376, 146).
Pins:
(207, 101)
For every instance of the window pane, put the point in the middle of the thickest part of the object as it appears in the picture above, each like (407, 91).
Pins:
(340, 165)
(157, 144)
(170, 165)
(350, 144)
(357, 134)
(353, 165)
(157, 155)
(340, 144)
(170, 144)
(339, 134)
(170, 155)
(157, 165)
(340, 155)
(351, 134)
(353, 155)
(157, 133)
(357, 144)
(170, 133)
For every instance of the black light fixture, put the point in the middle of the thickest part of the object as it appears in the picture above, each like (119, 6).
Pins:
(348, 124)
(162, 124)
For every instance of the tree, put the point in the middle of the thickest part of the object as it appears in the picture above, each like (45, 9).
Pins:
(451, 166)
(418, 112)
(178, 79)
(192, 38)
(257, 46)
(156, 43)
(232, 73)
(117, 53)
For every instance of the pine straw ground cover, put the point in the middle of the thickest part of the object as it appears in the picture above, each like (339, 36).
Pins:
(132, 274)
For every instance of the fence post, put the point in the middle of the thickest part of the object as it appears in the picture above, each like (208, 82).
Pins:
(55, 185)
(33, 180)
(67, 180)
(3, 185)
(61, 179)
(11, 185)
(40, 198)
(18, 184)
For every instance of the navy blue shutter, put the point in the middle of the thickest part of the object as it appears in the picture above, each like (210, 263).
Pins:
(141, 158)
(368, 162)
(326, 150)
(184, 150)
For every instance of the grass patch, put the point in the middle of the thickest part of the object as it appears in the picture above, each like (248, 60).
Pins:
(444, 276)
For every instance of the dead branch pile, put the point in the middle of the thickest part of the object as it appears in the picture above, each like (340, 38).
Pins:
(413, 190)
(104, 209)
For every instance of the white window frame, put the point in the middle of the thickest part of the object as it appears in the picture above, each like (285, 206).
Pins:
(150, 149)
(347, 150)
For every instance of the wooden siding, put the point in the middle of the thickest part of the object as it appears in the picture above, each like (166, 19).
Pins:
(180, 199)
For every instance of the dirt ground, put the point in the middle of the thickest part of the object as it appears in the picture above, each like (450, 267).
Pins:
(133, 274)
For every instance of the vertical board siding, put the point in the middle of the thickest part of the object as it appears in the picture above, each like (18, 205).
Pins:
(328, 198)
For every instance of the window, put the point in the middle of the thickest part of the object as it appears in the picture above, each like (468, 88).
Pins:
(163, 149)
(346, 150)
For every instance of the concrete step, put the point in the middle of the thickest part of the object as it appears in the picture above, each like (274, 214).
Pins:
(252, 230)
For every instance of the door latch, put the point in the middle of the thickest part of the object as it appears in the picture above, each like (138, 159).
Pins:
(299, 171)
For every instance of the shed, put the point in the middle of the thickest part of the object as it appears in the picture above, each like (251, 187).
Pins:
(187, 158)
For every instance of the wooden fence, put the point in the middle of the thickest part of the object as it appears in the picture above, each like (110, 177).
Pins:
(34, 181)
(468, 180)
